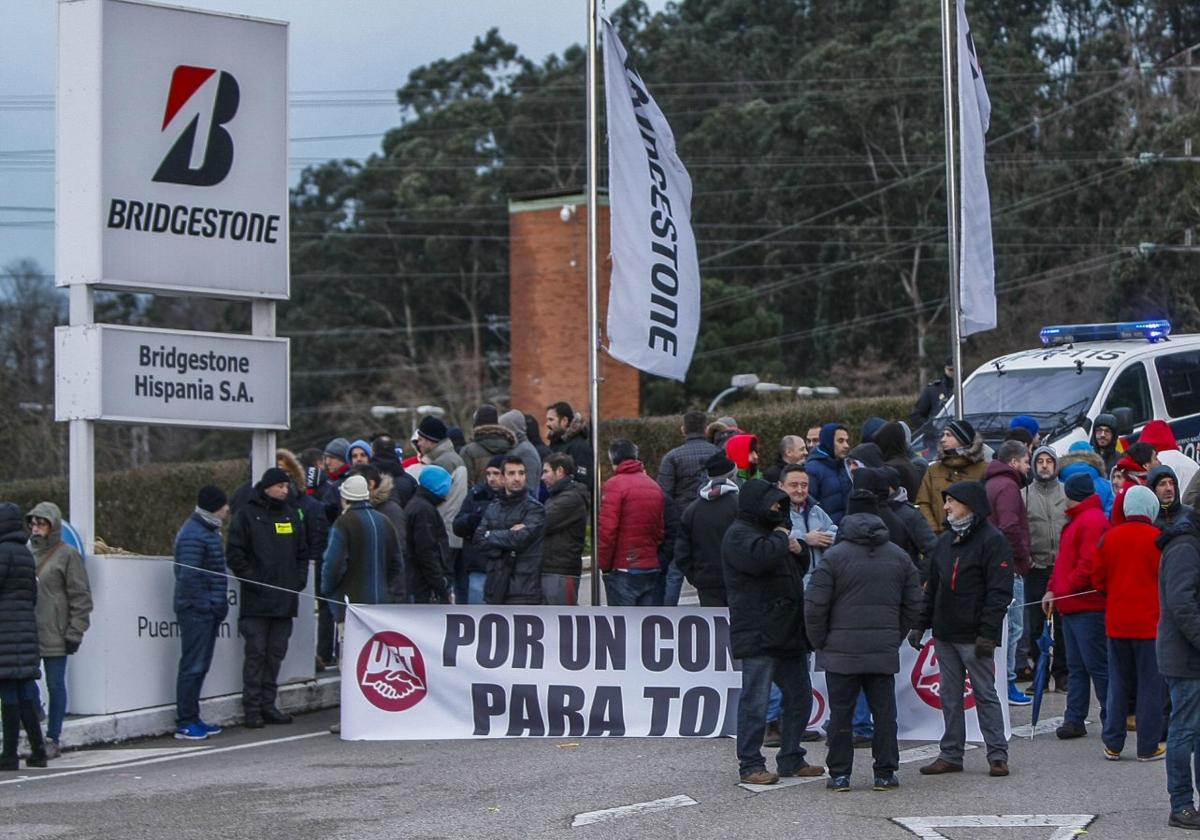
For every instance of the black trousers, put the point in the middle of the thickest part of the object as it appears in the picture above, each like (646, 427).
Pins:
(880, 691)
(712, 597)
(266, 643)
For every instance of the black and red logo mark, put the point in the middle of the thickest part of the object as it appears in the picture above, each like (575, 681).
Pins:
(215, 159)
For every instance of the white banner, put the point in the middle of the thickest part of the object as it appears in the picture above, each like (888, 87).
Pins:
(449, 672)
(976, 272)
(654, 297)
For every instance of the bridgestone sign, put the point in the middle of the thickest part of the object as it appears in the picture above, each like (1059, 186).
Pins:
(138, 375)
(172, 139)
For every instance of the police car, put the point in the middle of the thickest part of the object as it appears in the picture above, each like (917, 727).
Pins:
(1136, 371)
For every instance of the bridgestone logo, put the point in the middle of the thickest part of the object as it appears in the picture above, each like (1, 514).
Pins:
(202, 222)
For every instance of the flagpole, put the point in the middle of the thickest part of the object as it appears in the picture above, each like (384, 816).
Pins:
(948, 17)
(593, 171)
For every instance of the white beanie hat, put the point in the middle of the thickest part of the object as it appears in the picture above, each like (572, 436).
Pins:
(354, 489)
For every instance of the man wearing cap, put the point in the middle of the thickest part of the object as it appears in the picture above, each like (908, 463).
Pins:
(362, 562)
(335, 457)
(933, 396)
(267, 546)
(1072, 593)
(960, 458)
(433, 439)
(510, 537)
(426, 550)
(201, 604)
(702, 528)
(1030, 425)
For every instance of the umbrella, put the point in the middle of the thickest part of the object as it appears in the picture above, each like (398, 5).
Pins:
(1041, 675)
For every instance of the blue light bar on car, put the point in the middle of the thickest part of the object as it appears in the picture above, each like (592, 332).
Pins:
(1151, 331)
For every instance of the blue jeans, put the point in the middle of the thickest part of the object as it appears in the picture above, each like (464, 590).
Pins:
(864, 726)
(1016, 625)
(674, 586)
(56, 686)
(624, 589)
(475, 582)
(793, 679)
(1133, 676)
(1087, 660)
(774, 704)
(1182, 736)
(198, 637)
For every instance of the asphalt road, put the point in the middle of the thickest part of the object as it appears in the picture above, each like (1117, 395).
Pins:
(300, 782)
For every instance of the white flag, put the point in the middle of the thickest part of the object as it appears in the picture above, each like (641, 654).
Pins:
(976, 268)
(654, 299)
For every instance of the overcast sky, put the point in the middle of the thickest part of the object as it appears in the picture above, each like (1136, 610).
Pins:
(364, 46)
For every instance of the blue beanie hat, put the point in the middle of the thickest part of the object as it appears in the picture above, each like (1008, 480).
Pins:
(1024, 421)
(436, 480)
(1140, 501)
(359, 444)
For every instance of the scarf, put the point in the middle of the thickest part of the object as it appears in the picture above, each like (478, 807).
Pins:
(961, 526)
(211, 518)
(718, 487)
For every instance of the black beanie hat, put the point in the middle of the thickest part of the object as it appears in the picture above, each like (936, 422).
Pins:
(274, 476)
(211, 498)
(962, 430)
(1078, 487)
(432, 428)
(718, 465)
(486, 415)
(862, 501)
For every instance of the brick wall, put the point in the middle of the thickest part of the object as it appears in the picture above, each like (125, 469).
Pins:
(548, 303)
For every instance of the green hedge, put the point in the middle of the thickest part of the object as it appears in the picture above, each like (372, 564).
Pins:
(656, 435)
(137, 510)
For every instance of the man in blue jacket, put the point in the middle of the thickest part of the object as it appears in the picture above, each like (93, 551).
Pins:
(201, 604)
(829, 480)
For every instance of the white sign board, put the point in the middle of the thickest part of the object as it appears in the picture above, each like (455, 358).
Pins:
(171, 150)
(169, 377)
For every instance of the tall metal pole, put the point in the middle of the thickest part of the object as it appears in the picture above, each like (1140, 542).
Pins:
(949, 16)
(593, 172)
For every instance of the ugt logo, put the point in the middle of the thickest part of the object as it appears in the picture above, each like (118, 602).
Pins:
(206, 163)
(391, 672)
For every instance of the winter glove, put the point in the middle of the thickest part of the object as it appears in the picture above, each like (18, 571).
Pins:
(984, 648)
(915, 637)
(71, 646)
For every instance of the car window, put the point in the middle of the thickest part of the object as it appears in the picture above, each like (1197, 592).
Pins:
(1131, 390)
(1179, 375)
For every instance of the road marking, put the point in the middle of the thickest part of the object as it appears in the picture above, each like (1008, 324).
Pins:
(636, 809)
(1066, 825)
(1043, 727)
(927, 752)
(790, 781)
(78, 759)
(175, 757)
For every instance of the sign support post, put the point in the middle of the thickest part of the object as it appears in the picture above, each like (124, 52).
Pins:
(262, 446)
(82, 439)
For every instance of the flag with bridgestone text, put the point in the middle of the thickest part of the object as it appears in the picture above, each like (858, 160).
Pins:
(976, 267)
(654, 298)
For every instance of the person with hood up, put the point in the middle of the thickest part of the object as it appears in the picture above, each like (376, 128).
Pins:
(810, 524)
(870, 428)
(568, 505)
(358, 453)
(632, 526)
(1071, 592)
(1104, 441)
(514, 421)
(19, 656)
(1046, 511)
(857, 608)
(488, 439)
(764, 583)
(742, 449)
(1080, 459)
(829, 480)
(510, 536)
(363, 562)
(966, 599)
(1126, 571)
(1159, 435)
(864, 455)
(894, 449)
(426, 550)
(267, 545)
(1165, 485)
(960, 458)
(1177, 650)
(468, 519)
(64, 607)
(1003, 480)
(702, 528)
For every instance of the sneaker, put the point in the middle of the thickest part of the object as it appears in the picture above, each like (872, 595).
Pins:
(1016, 697)
(1070, 730)
(760, 777)
(839, 784)
(53, 750)
(1111, 754)
(1158, 755)
(211, 728)
(805, 770)
(1187, 818)
(773, 737)
(191, 732)
(888, 782)
(940, 767)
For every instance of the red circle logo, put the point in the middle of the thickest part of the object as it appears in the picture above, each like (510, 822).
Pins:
(927, 680)
(391, 672)
(818, 708)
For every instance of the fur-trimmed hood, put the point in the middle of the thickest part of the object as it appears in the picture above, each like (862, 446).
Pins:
(577, 429)
(1080, 456)
(382, 491)
(957, 459)
(286, 459)
(489, 435)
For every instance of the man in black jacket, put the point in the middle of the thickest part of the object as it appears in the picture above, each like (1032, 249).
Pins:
(860, 601)
(966, 603)
(567, 433)
(567, 507)
(510, 536)
(426, 549)
(933, 397)
(702, 528)
(20, 663)
(468, 519)
(764, 583)
(267, 545)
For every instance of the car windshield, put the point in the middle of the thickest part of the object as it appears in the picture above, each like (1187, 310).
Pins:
(1051, 394)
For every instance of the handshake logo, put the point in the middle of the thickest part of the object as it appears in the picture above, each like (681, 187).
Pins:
(391, 672)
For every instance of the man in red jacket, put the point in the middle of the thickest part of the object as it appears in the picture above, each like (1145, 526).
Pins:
(1003, 481)
(1082, 608)
(631, 528)
(1127, 571)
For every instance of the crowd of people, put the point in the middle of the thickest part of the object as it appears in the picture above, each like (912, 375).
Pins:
(837, 542)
